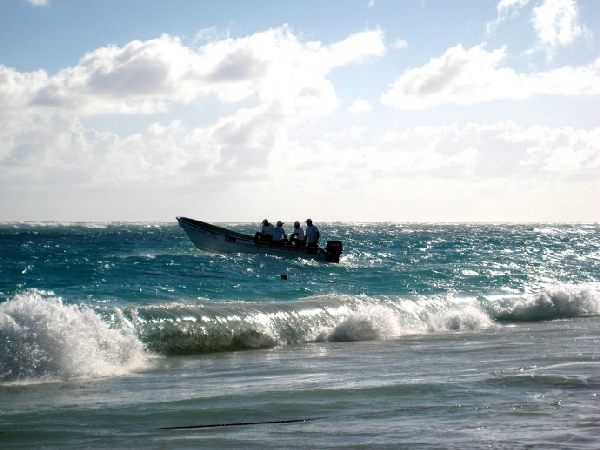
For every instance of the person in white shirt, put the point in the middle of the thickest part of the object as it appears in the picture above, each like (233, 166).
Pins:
(312, 234)
(279, 233)
(298, 237)
(266, 232)
(267, 227)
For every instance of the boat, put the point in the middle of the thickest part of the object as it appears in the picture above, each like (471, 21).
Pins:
(214, 239)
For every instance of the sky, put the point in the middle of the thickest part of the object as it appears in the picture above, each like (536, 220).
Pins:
(350, 111)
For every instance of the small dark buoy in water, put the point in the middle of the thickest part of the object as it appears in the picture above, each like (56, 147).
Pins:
(284, 276)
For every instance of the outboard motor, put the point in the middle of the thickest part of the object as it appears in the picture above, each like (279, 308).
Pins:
(334, 250)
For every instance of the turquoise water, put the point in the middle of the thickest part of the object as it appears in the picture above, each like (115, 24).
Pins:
(425, 336)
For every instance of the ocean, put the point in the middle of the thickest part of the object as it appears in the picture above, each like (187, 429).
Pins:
(117, 335)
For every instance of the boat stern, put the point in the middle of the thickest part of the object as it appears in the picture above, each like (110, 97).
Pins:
(334, 251)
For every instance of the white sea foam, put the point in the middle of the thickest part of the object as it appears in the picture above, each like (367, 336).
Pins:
(218, 326)
(388, 318)
(369, 322)
(42, 339)
(467, 317)
(555, 302)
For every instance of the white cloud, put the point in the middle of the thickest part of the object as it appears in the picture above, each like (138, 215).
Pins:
(556, 23)
(501, 150)
(499, 171)
(207, 34)
(475, 75)
(360, 106)
(400, 44)
(38, 2)
(282, 80)
(273, 84)
(250, 155)
(506, 9)
(148, 76)
(354, 48)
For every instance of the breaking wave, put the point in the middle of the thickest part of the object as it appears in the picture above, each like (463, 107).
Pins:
(42, 339)
(222, 326)
(554, 303)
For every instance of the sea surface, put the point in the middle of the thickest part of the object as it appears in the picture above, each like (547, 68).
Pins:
(123, 335)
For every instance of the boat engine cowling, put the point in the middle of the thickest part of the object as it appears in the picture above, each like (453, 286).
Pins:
(334, 250)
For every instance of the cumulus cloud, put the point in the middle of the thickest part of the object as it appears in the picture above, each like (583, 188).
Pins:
(497, 171)
(556, 23)
(148, 76)
(354, 48)
(270, 86)
(360, 106)
(38, 2)
(400, 44)
(501, 150)
(506, 9)
(476, 75)
(510, 7)
(357, 174)
(281, 80)
(207, 34)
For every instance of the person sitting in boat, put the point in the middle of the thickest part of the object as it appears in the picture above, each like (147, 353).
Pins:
(297, 237)
(266, 231)
(267, 227)
(312, 234)
(279, 234)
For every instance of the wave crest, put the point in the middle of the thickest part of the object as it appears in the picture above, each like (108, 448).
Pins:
(43, 339)
(560, 302)
(468, 318)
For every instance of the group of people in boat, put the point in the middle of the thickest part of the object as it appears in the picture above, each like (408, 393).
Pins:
(299, 237)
